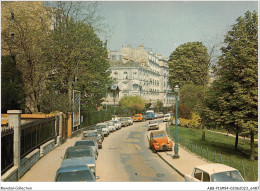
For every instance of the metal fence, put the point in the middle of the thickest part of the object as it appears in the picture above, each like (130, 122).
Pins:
(248, 171)
(36, 133)
(7, 139)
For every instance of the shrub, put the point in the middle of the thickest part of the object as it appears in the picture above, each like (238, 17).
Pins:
(184, 111)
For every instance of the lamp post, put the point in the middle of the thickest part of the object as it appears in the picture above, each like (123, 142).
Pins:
(176, 148)
(114, 89)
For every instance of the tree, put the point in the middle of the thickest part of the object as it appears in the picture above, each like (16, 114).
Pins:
(236, 88)
(78, 58)
(158, 104)
(25, 30)
(135, 104)
(189, 64)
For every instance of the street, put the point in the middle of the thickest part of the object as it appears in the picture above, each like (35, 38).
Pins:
(125, 156)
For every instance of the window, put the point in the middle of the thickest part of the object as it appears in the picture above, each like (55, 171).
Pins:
(135, 75)
(125, 75)
(12, 16)
(198, 174)
(113, 57)
(116, 75)
(206, 177)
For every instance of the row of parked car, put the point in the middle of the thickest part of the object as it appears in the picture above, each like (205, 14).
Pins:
(79, 163)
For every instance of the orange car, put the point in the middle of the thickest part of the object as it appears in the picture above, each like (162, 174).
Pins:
(159, 141)
(138, 117)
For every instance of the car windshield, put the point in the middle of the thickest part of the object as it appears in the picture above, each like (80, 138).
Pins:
(91, 134)
(149, 113)
(159, 135)
(137, 115)
(123, 119)
(115, 121)
(89, 143)
(111, 124)
(104, 126)
(167, 115)
(75, 176)
(152, 122)
(229, 176)
(78, 153)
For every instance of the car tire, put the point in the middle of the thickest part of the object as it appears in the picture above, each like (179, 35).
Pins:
(154, 150)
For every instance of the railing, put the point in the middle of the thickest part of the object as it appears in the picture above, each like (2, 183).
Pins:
(7, 135)
(35, 134)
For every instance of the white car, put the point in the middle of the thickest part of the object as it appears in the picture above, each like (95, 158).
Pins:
(167, 117)
(105, 128)
(130, 120)
(117, 124)
(111, 126)
(214, 173)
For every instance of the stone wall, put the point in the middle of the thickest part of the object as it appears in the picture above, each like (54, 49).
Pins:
(28, 161)
(47, 147)
(11, 175)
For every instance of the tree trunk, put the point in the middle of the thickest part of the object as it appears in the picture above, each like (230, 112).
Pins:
(203, 133)
(252, 144)
(70, 95)
(236, 143)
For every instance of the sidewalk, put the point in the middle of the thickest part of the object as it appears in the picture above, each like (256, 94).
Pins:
(187, 160)
(45, 169)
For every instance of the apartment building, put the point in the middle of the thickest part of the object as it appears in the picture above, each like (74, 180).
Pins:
(140, 72)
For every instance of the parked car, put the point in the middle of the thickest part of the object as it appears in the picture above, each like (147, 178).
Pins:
(130, 120)
(90, 143)
(81, 154)
(105, 129)
(153, 125)
(117, 124)
(124, 122)
(75, 173)
(114, 117)
(138, 117)
(214, 173)
(166, 117)
(156, 115)
(149, 115)
(160, 114)
(111, 126)
(159, 142)
(92, 135)
(98, 127)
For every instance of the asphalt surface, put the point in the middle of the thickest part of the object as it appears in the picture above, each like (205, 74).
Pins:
(126, 157)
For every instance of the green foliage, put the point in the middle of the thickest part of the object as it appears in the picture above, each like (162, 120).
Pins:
(12, 92)
(134, 104)
(158, 105)
(234, 95)
(193, 96)
(183, 111)
(189, 64)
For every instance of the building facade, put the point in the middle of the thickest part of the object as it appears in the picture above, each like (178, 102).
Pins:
(140, 72)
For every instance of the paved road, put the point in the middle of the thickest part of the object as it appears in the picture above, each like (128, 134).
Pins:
(126, 157)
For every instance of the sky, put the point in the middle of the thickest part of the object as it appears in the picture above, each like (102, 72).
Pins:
(162, 26)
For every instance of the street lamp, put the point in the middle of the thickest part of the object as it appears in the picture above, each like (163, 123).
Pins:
(176, 148)
(115, 90)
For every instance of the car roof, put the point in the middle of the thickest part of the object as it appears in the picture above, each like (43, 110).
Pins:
(215, 168)
(86, 140)
(158, 132)
(78, 161)
(79, 147)
(73, 168)
(90, 131)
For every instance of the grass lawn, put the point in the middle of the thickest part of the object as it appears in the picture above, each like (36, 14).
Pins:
(220, 148)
